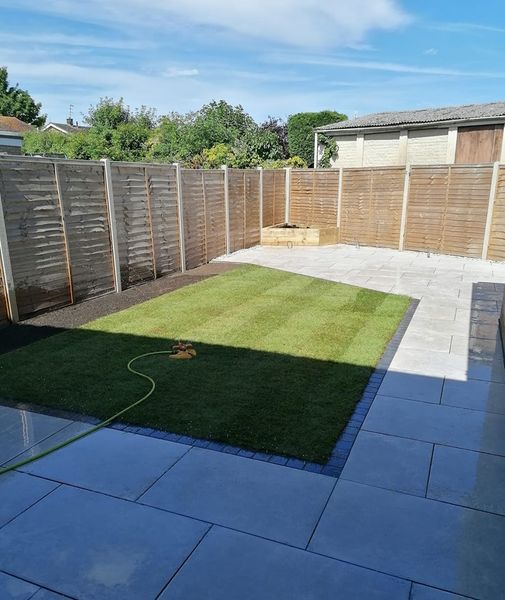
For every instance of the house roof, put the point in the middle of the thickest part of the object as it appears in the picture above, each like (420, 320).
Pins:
(65, 127)
(13, 125)
(467, 112)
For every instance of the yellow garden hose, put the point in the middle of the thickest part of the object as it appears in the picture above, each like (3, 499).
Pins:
(79, 436)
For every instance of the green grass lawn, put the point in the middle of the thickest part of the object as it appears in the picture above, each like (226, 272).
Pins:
(282, 360)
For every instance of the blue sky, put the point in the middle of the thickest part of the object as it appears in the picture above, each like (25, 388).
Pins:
(274, 57)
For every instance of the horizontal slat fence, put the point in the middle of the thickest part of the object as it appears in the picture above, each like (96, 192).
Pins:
(447, 209)
(314, 197)
(372, 206)
(274, 197)
(63, 218)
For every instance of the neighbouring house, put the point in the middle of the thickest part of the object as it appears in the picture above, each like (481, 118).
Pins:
(68, 127)
(12, 130)
(468, 134)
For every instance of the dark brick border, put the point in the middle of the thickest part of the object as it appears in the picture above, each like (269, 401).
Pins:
(332, 468)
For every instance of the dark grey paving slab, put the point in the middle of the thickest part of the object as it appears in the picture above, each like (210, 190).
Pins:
(253, 496)
(433, 543)
(475, 394)
(60, 436)
(12, 588)
(471, 479)
(422, 592)
(88, 545)
(412, 386)
(439, 424)
(234, 566)
(21, 429)
(390, 462)
(18, 492)
(114, 462)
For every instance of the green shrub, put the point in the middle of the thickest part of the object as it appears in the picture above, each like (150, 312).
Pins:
(301, 131)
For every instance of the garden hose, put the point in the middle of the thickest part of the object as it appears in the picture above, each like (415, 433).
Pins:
(79, 436)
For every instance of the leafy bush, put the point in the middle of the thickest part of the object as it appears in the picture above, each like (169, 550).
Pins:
(301, 131)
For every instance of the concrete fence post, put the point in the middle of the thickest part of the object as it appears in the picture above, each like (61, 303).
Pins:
(339, 199)
(112, 224)
(316, 150)
(10, 288)
(260, 169)
(64, 228)
(180, 216)
(490, 209)
(405, 203)
(227, 208)
(288, 194)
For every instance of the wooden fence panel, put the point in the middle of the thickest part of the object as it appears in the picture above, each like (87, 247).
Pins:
(372, 206)
(244, 202)
(215, 222)
(274, 197)
(161, 187)
(4, 317)
(87, 227)
(313, 197)
(133, 223)
(496, 249)
(35, 234)
(447, 209)
(194, 217)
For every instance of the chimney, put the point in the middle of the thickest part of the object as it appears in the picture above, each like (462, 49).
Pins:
(70, 121)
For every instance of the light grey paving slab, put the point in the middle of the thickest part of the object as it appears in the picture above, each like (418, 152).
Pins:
(88, 545)
(114, 462)
(439, 424)
(22, 429)
(412, 386)
(49, 442)
(18, 492)
(431, 364)
(433, 543)
(468, 478)
(229, 566)
(269, 500)
(423, 592)
(12, 588)
(475, 394)
(428, 341)
(390, 462)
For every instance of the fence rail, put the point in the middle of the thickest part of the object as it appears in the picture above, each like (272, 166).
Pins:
(73, 230)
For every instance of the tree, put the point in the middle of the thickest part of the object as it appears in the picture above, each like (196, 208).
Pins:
(301, 131)
(15, 102)
(45, 143)
(280, 129)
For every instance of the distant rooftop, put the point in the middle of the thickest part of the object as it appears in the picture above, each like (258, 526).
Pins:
(426, 115)
(68, 127)
(13, 125)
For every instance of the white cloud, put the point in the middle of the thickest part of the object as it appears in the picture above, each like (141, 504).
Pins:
(304, 23)
(468, 28)
(431, 51)
(180, 72)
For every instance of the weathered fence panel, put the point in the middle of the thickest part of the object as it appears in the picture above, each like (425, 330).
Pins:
(194, 218)
(274, 197)
(496, 250)
(161, 188)
(133, 223)
(314, 197)
(35, 235)
(447, 209)
(372, 206)
(82, 189)
(244, 202)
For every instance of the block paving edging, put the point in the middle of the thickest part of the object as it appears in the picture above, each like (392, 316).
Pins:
(339, 455)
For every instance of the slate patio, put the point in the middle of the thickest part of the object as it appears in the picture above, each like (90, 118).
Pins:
(418, 512)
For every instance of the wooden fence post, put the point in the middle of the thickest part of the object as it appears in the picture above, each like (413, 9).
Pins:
(490, 207)
(112, 224)
(180, 216)
(226, 209)
(339, 199)
(405, 203)
(10, 288)
(65, 237)
(288, 194)
(260, 169)
(150, 219)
